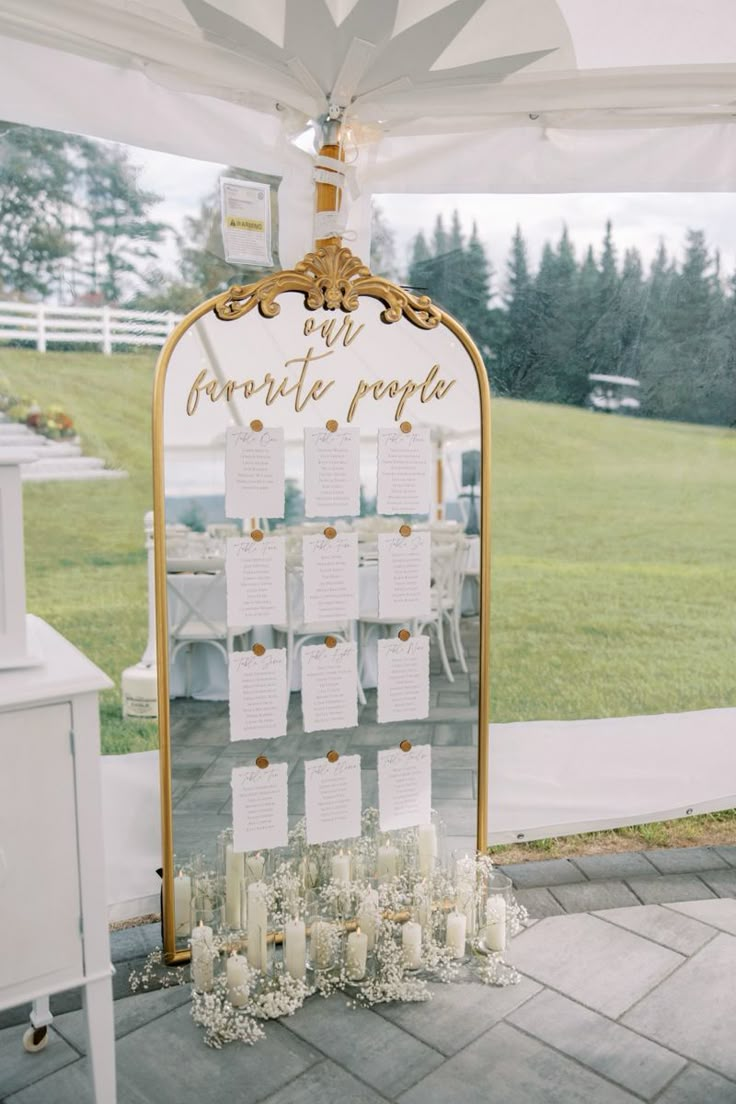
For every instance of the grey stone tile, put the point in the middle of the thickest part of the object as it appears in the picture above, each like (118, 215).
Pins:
(696, 1085)
(458, 1013)
(694, 1010)
(679, 933)
(203, 797)
(457, 783)
(718, 913)
(586, 896)
(459, 815)
(366, 1044)
(622, 864)
(603, 967)
(539, 903)
(727, 853)
(130, 1014)
(172, 1046)
(328, 1084)
(453, 735)
(457, 758)
(611, 1050)
(18, 1069)
(134, 942)
(195, 756)
(506, 1067)
(722, 882)
(73, 1085)
(685, 860)
(547, 873)
(669, 887)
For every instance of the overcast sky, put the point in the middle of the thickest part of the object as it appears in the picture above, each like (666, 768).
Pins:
(639, 220)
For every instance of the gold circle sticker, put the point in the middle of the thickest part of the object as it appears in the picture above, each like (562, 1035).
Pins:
(404, 634)
(256, 425)
(333, 756)
(262, 762)
(256, 534)
(332, 425)
(405, 530)
(405, 427)
(258, 649)
(405, 745)
(330, 641)
(330, 532)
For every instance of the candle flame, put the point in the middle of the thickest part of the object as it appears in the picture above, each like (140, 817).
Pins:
(181, 873)
(357, 930)
(201, 924)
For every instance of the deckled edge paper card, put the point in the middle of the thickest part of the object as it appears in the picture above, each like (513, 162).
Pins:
(330, 577)
(258, 695)
(404, 574)
(333, 799)
(332, 472)
(403, 679)
(255, 576)
(260, 807)
(329, 686)
(404, 471)
(404, 787)
(255, 472)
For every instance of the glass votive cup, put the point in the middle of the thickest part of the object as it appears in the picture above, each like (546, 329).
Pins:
(494, 913)
(326, 937)
(467, 889)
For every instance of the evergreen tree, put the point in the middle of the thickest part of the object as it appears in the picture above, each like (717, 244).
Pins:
(514, 371)
(439, 238)
(456, 233)
(383, 245)
(632, 307)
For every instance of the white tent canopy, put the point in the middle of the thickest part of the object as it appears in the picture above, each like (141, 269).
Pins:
(465, 96)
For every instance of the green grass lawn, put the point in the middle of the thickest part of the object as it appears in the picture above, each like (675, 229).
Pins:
(614, 574)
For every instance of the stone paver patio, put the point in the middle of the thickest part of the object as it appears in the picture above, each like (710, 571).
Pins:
(623, 1004)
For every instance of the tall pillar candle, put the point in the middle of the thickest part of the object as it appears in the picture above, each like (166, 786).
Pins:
(427, 840)
(411, 944)
(368, 917)
(234, 874)
(321, 944)
(340, 868)
(295, 948)
(238, 980)
(495, 933)
(257, 926)
(455, 935)
(203, 971)
(387, 862)
(183, 904)
(356, 955)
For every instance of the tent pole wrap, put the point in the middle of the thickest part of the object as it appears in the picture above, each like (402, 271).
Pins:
(329, 217)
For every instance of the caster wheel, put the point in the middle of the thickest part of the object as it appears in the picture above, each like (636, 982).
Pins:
(35, 1039)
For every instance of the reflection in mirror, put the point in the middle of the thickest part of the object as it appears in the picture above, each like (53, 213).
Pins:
(292, 386)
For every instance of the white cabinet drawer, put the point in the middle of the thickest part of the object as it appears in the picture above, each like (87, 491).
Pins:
(39, 866)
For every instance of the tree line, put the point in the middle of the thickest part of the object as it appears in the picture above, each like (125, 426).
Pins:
(672, 327)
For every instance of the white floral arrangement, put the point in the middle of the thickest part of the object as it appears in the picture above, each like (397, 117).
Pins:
(299, 884)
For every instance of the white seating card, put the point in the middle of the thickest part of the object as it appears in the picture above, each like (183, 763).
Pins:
(329, 686)
(332, 798)
(260, 807)
(403, 679)
(404, 472)
(404, 575)
(330, 577)
(254, 472)
(332, 472)
(258, 696)
(255, 573)
(404, 787)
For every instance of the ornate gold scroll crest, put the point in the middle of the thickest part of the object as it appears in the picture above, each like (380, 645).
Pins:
(331, 278)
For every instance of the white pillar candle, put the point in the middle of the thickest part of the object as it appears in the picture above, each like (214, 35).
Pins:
(254, 867)
(387, 862)
(340, 866)
(495, 933)
(257, 926)
(203, 973)
(368, 917)
(455, 938)
(238, 980)
(321, 939)
(427, 849)
(357, 955)
(234, 872)
(411, 944)
(467, 878)
(295, 948)
(183, 903)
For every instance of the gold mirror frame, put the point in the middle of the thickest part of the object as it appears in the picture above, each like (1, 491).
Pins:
(330, 278)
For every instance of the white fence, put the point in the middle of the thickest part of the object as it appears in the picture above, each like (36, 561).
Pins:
(42, 325)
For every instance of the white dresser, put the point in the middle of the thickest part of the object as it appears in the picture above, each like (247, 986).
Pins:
(53, 914)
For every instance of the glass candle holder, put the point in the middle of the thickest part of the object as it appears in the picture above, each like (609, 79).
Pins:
(467, 889)
(325, 941)
(495, 906)
(390, 853)
(205, 960)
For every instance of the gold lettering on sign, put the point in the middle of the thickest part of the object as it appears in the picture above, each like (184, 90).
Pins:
(430, 388)
(328, 334)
